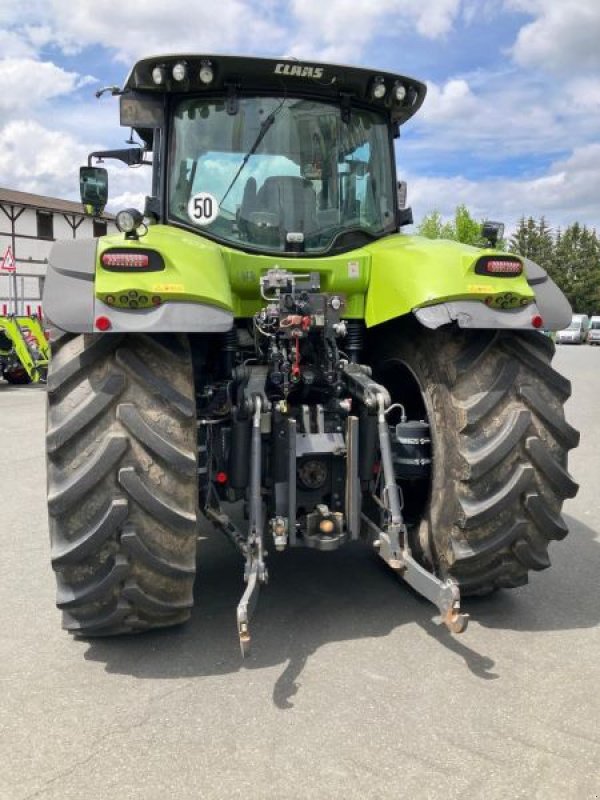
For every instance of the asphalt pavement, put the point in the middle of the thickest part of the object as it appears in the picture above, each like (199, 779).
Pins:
(352, 691)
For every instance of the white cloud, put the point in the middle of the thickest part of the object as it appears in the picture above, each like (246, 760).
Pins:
(36, 159)
(27, 83)
(565, 193)
(126, 200)
(453, 100)
(139, 28)
(340, 29)
(500, 115)
(563, 36)
(584, 94)
(12, 45)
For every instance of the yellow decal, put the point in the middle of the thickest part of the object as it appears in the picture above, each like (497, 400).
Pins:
(480, 288)
(168, 287)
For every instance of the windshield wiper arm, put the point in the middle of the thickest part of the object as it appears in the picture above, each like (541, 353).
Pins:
(265, 125)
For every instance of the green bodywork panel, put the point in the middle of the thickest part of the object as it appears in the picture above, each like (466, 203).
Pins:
(385, 279)
(31, 351)
(409, 272)
(194, 269)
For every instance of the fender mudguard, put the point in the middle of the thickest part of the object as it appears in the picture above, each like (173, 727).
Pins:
(435, 279)
(193, 287)
(550, 304)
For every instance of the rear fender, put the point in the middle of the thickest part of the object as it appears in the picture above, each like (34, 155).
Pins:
(550, 309)
(435, 279)
(192, 288)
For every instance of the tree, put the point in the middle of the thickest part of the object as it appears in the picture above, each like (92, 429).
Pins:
(576, 267)
(533, 240)
(433, 228)
(466, 229)
(463, 228)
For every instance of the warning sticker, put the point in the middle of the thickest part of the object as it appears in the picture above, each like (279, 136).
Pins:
(203, 208)
(168, 287)
(353, 269)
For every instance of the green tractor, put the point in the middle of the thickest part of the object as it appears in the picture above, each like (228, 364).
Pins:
(264, 348)
(24, 349)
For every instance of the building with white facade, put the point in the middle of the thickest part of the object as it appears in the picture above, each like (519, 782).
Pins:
(29, 224)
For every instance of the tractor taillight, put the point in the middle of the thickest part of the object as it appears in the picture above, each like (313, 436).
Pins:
(499, 266)
(138, 259)
(125, 259)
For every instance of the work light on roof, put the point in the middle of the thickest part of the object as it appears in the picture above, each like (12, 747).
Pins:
(179, 71)
(159, 75)
(206, 73)
(399, 92)
(378, 88)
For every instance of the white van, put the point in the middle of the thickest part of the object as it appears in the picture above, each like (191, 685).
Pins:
(576, 332)
(593, 336)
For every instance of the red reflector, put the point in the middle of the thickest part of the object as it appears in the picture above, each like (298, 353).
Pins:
(125, 259)
(103, 323)
(537, 321)
(156, 300)
(221, 477)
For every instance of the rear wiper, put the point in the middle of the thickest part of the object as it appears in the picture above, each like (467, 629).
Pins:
(264, 127)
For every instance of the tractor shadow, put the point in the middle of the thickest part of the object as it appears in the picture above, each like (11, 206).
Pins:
(317, 598)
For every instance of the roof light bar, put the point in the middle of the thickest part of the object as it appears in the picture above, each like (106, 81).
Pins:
(159, 75)
(399, 92)
(179, 71)
(378, 88)
(206, 73)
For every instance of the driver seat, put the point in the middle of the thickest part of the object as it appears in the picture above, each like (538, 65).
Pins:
(293, 199)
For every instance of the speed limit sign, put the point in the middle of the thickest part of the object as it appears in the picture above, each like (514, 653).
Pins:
(203, 208)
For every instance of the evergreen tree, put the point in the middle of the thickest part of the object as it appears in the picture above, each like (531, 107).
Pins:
(533, 240)
(577, 268)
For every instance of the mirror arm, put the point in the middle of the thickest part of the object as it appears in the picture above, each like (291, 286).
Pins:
(132, 156)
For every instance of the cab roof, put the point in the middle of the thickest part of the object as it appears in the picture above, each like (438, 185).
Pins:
(232, 74)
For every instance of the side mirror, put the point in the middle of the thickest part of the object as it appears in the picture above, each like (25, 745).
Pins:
(93, 188)
(404, 214)
(401, 189)
(492, 232)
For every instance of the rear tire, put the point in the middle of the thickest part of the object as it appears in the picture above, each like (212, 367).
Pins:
(500, 443)
(122, 481)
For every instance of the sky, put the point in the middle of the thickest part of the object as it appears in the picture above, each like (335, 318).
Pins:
(510, 125)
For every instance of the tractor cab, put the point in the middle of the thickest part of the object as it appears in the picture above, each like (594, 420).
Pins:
(271, 156)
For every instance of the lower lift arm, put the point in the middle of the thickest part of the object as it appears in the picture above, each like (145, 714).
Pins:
(391, 540)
